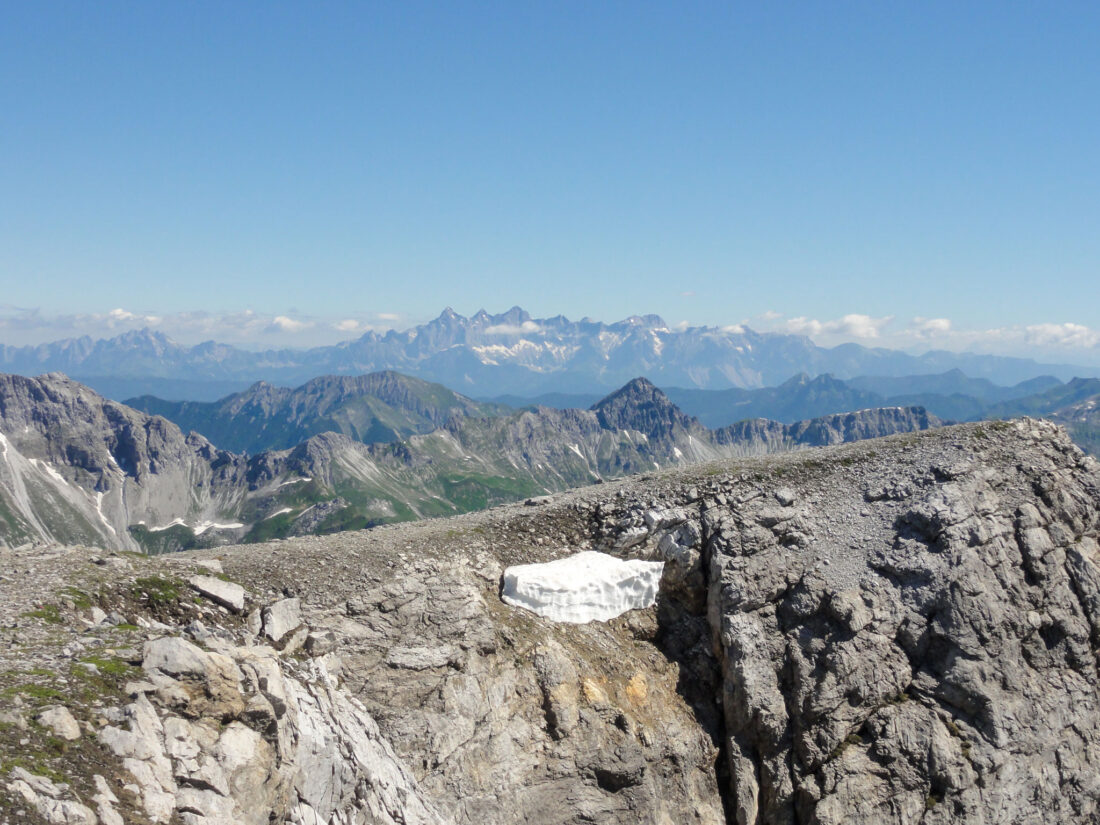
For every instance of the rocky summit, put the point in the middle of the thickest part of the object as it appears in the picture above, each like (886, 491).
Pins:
(903, 630)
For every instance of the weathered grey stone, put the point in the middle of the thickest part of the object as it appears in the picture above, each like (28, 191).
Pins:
(784, 496)
(281, 618)
(254, 622)
(106, 802)
(227, 594)
(202, 683)
(53, 802)
(60, 722)
(320, 642)
(421, 658)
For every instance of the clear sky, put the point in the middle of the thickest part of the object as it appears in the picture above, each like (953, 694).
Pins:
(835, 168)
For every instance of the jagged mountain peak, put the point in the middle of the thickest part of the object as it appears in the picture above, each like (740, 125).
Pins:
(825, 380)
(376, 407)
(144, 337)
(516, 315)
(641, 406)
(655, 322)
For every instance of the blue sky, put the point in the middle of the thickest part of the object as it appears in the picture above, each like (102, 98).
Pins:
(838, 168)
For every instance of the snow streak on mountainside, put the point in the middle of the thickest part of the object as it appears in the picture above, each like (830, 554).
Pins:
(489, 355)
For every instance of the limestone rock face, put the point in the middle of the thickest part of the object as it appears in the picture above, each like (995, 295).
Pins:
(50, 800)
(497, 711)
(282, 618)
(291, 747)
(907, 637)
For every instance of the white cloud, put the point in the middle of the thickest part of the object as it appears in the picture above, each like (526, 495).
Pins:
(771, 315)
(526, 328)
(123, 316)
(930, 327)
(347, 325)
(387, 316)
(690, 293)
(1027, 340)
(854, 325)
(284, 323)
(1073, 336)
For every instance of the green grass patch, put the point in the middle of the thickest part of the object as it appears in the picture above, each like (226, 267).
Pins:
(346, 519)
(36, 762)
(79, 598)
(476, 491)
(157, 590)
(173, 540)
(110, 667)
(39, 693)
(276, 527)
(849, 740)
(50, 614)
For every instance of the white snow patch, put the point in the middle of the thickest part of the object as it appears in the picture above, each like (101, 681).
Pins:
(676, 452)
(658, 344)
(585, 587)
(102, 517)
(199, 528)
(494, 353)
(173, 523)
(301, 480)
(203, 526)
(45, 465)
(280, 512)
(576, 448)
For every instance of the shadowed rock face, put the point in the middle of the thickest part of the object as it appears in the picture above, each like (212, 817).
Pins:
(379, 407)
(909, 638)
(76, 467)
(901, 631)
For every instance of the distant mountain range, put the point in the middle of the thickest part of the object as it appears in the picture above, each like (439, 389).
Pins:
(80, 469)
(488, 355)
(380, 407)
(950, 396)
(1082, 420)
